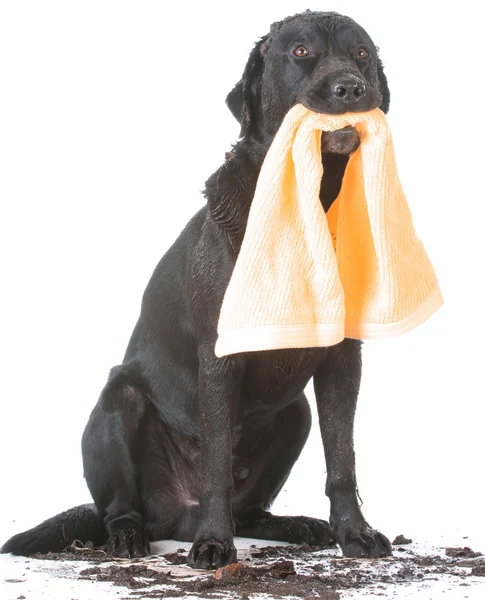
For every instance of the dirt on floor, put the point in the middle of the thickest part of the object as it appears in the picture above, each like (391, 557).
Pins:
(278, 571)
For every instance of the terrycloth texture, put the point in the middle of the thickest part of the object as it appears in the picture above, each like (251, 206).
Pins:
(304, 278)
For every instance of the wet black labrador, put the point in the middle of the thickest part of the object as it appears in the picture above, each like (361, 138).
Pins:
(185, 445)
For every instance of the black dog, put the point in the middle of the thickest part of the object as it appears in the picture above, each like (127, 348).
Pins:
(185, 445)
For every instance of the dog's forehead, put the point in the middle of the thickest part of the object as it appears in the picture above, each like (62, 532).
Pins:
(321, 29)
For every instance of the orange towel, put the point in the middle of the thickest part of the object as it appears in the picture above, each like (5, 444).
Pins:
(304, 278)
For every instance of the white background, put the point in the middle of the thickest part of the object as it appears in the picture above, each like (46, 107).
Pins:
(112, 116)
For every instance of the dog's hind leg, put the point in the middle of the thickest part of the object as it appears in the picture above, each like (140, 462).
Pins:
(261, 475)
(110, 446)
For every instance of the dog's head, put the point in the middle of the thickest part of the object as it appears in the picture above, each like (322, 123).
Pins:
(324, 60)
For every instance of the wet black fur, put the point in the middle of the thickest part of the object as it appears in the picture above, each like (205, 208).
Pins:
(185, 445)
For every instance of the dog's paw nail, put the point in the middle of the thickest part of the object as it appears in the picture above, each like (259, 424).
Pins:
(211, 554)
(128, 543)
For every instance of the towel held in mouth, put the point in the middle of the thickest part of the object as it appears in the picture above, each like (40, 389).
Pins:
(304, 278)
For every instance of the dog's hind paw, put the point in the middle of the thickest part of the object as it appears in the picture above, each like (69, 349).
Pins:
(128, 543)
(211, 554)
(294, 529)
(311, 531)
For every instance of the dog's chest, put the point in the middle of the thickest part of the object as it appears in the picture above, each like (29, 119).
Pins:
(277, 376)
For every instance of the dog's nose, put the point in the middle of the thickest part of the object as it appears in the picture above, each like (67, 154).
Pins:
(348, 89)
(344, 89)
(340, 91)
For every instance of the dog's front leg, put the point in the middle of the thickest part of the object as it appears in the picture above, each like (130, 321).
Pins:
(337, 384)
(219, 389)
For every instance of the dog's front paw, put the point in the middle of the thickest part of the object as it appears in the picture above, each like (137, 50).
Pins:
(362, 541)
(342, 141)
(211, 554)
(128, 543)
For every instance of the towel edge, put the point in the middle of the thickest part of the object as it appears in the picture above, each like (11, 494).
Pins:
(279, 337)
(376, 331)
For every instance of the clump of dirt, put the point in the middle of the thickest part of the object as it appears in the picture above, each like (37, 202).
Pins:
(465, 552)
(175, 558)
(132, 576)
(284, 551)
(78, 551)
(400, 540)
(280, 570)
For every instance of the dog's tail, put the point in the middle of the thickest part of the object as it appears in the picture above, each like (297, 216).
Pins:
(79, 523)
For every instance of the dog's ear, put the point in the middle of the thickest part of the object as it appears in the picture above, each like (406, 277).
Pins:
(242, 99)
(383, 87)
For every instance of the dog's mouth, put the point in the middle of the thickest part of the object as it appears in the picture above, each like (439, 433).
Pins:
(341, 141)
(325, 109)
(320, 103)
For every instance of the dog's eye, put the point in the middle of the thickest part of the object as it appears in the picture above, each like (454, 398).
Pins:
(362, 53)
(301, 51)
